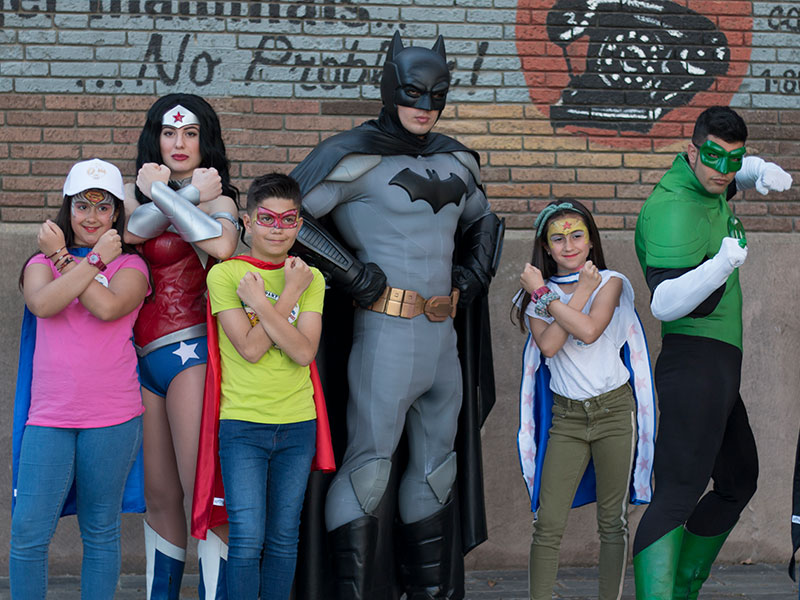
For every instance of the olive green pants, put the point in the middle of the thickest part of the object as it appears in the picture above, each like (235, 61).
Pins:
(603, 429)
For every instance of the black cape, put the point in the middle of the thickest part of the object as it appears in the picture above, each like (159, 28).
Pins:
(314, 580)
(381, 136)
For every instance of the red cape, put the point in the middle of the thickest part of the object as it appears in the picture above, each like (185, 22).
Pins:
(208, 508)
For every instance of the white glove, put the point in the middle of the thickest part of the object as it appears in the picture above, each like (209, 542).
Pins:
(731, 251)
(764, 176)
(676, 298)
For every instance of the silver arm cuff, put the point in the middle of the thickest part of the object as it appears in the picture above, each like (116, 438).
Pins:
(147, 221)
(191, 193)
(189, 222)
(227, 216)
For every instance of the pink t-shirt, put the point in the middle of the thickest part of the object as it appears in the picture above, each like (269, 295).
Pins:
(84, 369)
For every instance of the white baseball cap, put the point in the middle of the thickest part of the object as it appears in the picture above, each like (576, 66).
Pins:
(94, 174)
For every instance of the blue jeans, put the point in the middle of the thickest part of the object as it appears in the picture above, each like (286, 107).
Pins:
(265, 470)
(99, 460)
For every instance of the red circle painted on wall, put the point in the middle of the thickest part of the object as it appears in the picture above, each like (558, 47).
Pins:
(631, 72)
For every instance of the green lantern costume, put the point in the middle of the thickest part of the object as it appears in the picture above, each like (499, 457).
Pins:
(704, 432)
(680, 226)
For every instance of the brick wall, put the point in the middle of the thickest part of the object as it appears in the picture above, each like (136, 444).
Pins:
(562, 99)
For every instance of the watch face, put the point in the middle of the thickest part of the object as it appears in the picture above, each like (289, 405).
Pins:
(94, 259)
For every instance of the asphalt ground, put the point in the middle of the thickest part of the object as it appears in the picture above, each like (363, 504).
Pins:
(727, 582)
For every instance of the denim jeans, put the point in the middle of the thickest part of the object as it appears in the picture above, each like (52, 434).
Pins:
(265, 470)
(98, 460)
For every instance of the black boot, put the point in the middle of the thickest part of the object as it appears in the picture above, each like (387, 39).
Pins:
(353, 549)
(431, 559)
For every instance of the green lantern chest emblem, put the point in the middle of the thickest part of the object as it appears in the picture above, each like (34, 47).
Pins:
(736, 230)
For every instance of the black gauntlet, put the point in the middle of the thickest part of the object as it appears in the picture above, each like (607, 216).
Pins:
(366, 285)
(364, 282)
(478, 257)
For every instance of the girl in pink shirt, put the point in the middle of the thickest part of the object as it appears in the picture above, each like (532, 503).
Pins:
(83, 425)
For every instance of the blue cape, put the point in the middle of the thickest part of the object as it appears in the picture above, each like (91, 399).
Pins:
(536, 402)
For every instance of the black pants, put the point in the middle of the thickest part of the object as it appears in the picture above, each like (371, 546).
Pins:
(703, 433)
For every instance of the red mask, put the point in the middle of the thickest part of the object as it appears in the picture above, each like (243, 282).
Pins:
(285, 220)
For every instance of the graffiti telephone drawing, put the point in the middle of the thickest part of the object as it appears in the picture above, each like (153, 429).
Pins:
(625, 64)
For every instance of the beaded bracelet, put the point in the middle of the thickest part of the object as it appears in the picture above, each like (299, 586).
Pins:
(50, 256)
(543, 302)
(63, 262)
(56, 259)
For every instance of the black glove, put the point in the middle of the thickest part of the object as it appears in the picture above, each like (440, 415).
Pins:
(468, 284)
(367, 285)
(478, 257)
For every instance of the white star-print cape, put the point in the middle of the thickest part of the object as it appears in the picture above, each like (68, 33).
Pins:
(536, 401)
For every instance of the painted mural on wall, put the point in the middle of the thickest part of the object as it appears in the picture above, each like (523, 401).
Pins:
(311, 48)
(643, 59)
(622, 69)
(629, 65)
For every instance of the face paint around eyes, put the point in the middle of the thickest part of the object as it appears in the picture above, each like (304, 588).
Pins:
(285, 220)
(83, 202)
(565, 226)
(715, 156)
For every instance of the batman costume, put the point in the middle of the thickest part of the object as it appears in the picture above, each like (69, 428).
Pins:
(412, 211)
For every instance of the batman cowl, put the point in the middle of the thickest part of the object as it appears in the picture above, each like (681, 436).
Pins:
(416, 77)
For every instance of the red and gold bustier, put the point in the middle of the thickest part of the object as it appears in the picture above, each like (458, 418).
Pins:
(179, 280)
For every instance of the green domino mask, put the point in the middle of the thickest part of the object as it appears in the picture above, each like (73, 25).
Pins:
(715, 156)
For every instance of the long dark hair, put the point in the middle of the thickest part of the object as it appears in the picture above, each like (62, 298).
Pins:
(542, 260)
(212, 148)
(64, 221)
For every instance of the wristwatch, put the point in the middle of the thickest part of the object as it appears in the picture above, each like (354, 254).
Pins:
(93, 258)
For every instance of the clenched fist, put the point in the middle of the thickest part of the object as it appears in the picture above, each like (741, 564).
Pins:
(531, 278)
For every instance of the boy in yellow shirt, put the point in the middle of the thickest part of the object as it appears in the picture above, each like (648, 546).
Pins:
(269, 318)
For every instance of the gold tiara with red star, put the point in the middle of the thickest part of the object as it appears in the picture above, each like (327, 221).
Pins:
(179, 117)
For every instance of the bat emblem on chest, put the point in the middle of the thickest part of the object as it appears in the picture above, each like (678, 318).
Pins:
(433, 190)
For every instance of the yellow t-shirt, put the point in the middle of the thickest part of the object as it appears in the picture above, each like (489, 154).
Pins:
(275, 389)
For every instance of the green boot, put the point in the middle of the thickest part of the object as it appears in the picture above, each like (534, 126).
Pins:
(654, 567)
(697, 555)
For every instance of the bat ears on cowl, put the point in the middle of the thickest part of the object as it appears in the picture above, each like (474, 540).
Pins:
(415, 76)
(396, 46)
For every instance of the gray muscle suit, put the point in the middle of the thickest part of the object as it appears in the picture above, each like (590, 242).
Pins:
(402, 198)
(402, 372)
